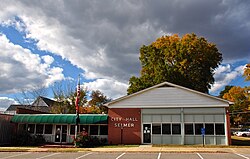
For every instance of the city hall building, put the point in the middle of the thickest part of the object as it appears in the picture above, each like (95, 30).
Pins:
(168, 114)
(163, 114)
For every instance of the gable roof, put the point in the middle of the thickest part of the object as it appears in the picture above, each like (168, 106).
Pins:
(43, 101)
(167, 94)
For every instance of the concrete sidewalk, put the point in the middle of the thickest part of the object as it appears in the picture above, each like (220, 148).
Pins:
(138, 149)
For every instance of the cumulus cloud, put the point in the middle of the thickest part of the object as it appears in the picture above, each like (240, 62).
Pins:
(22, 70)
(5, 102)
(103, 37)
(224, 75)
(110, 88)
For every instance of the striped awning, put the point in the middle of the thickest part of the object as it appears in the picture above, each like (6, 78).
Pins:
(60, 118)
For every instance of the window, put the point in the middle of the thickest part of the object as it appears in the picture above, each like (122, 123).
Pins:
(48, 129)
(93, 129)
(166, 128)
(22, 127)
(198, 129)
(72, 129)
(209, 129)
(176, 128)
(156, 128)
(103, 129)
(219, 129)
(84, 128)
(189, 129)
(31, 128)
(39, 129)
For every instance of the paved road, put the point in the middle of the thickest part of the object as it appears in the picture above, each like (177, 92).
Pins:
(120, 155)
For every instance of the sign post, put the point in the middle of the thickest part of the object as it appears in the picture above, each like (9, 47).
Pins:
(203, 136)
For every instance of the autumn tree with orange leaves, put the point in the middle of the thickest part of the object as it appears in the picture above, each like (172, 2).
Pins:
(240, 110)
(189, 61)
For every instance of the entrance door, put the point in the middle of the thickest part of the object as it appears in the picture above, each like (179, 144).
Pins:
(61, 133)
(147, 133)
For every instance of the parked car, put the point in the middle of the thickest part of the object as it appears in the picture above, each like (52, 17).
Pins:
(243, 132)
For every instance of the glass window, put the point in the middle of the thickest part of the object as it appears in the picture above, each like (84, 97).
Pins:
(84, 128)
(22, 127)
(176, 128)
(48, 129)
(209, 129)
(39, 129)
(189, 129)
(219, 129)
(103, 129)
(93, 129)
(198, 129)
(166, 128)
(72, 129)
(31, 128)
(156, 128)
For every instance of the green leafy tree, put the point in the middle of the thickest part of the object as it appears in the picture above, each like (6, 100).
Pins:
(188, 61)
(65, 95)
(241, 107)
(97, 100)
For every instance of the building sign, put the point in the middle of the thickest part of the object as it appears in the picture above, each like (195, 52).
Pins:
(128, 122)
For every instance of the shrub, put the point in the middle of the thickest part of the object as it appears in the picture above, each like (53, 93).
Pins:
(84, 140)
(23, 138)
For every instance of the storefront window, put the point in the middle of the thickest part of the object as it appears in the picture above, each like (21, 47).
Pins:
(103, 129)
(39, 129)
(93, 129)
(219, 129)
(48, 129)
(166, 128)
(156, 128)
(22, 127)
(84, 128)
(31, 128)
(72, 129)
(198, 129)
(176, 128)
(209, 129)
(189, 129)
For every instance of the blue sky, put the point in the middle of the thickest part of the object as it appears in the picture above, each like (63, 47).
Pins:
(43, 43)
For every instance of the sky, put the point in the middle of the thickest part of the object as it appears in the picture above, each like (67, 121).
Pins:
(50, 42)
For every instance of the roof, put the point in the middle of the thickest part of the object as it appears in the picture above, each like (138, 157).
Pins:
(14, 107)
(170, 87)
(43, 101)
(60, 118)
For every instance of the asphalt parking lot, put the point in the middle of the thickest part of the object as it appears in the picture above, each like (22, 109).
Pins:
(119, 155)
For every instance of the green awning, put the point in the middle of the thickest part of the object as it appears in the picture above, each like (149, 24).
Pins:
(60, 118)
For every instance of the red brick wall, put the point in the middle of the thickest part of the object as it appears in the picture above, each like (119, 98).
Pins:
(124, 126)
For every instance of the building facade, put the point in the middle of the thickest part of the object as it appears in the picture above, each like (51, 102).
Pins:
(60, 128)
(169, 114)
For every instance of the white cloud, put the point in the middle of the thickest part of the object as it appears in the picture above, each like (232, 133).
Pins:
(111, 88)
(103, 38)
(224, 75)
(5, 102)
(48, 59)
(22, 70)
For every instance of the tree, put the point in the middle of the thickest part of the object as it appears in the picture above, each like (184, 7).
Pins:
(246, 73)
(65, 95)
(241, 107)
(29, 96)
(188, 61)
(226, 90)
(97, 100)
